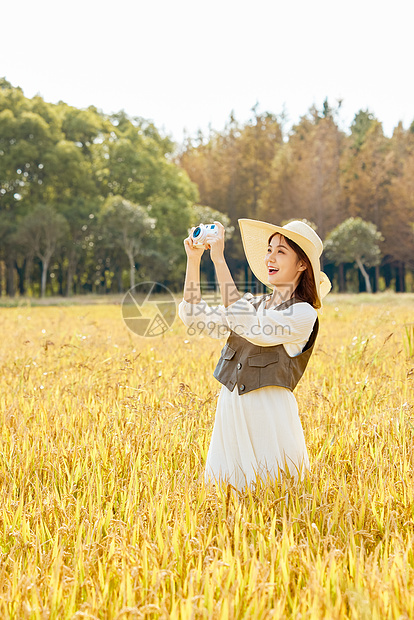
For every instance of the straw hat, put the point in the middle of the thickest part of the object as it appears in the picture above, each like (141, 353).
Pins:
(255, 236)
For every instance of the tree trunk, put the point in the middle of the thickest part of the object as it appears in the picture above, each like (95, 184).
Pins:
(387, 275)
(11, 290)
(28, 273)
(45, 265)
(72, 264)
(108, 282)
(397, 277)
(60, 277)
(341, 278)
(377, 277)
(69, 280)
(118, 272)
(401, 276)
(373, 275)
(21, 273)
(364, 273)
(131, 269)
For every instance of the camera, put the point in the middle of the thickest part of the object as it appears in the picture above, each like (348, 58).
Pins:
(199, 234)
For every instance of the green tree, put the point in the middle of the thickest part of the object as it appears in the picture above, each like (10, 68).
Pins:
(45, 159)
(83, 127)
(125, 225)
(29, 131)
(355, 241)
(39, 233)
(135, 161)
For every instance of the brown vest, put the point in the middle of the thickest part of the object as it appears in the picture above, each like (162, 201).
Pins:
(251, 366)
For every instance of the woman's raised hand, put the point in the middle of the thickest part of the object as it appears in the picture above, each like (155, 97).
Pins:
(215, 243)
(191, 251)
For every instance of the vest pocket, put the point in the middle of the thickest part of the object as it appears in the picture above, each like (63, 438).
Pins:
(227, 352)
(263, 359)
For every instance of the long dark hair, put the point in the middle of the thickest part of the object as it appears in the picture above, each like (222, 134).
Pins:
(306, 288)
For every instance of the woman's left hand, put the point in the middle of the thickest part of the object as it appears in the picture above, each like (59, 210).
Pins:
(215, 243)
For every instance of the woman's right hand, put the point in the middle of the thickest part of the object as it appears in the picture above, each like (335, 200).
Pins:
(191, 251)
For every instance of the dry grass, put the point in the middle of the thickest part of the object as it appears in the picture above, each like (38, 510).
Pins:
(103, 442)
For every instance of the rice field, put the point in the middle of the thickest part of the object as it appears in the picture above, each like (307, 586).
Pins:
(104, 436)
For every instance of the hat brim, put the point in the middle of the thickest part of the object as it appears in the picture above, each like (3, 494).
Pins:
(255, 236)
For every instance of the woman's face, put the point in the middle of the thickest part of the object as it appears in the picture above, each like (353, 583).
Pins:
(283, 266)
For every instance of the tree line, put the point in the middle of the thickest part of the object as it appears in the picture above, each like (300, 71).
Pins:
(91, 202)
(324, 175)
(88, 201)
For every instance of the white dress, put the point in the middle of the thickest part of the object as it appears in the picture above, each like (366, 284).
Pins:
(259, 432)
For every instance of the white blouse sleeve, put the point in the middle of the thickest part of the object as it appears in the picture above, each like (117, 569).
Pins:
(268, 327)
(290, 327)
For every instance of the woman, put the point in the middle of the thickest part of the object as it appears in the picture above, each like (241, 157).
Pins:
(257, 430)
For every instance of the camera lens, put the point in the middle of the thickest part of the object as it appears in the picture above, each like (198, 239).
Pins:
(196, 232)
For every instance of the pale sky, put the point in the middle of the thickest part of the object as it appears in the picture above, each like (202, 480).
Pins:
(185, 64)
